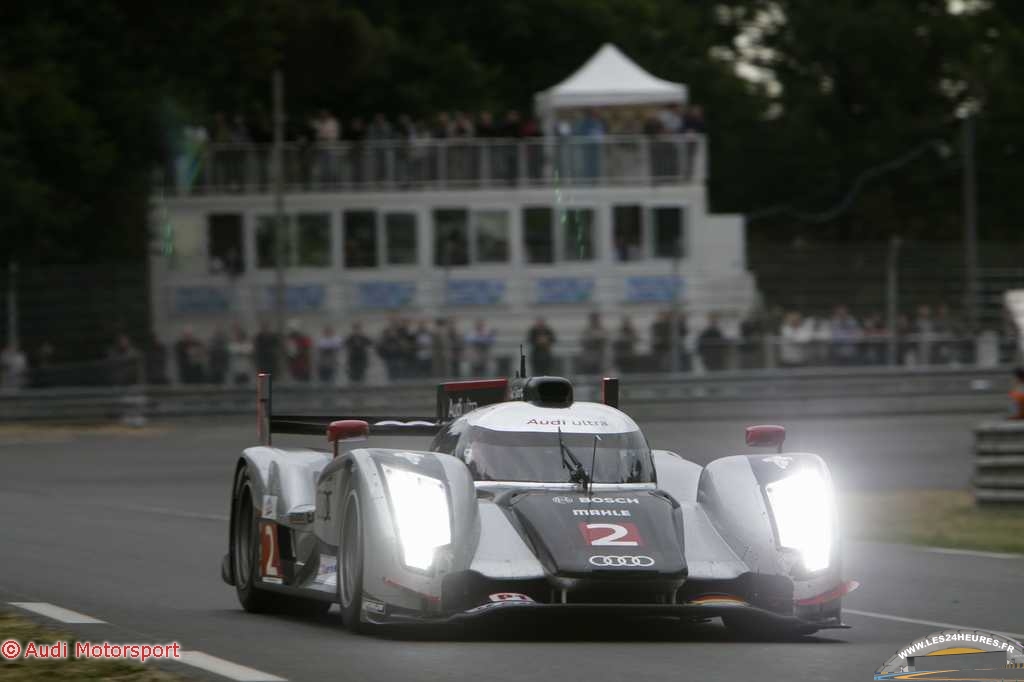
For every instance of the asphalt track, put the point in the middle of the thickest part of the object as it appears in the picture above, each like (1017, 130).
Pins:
(129, 527)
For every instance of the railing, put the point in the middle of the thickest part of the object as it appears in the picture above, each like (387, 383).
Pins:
(455, 163)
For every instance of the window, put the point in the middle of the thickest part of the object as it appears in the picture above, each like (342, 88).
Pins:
(272, 239)
(667, 223)
(490, 234)
(360, 239)
(628, 232)
(537, 235)
(576, 225)
(314, 240)
(224, 243)
(451, 237)
(400, 238)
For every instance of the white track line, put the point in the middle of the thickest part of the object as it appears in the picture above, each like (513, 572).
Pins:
(54, 612)
(219, 666)
(929, 623)
(969, 552)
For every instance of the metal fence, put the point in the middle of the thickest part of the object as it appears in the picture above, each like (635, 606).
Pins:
(428, 163)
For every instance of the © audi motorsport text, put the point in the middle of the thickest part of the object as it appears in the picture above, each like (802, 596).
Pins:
(534, 505)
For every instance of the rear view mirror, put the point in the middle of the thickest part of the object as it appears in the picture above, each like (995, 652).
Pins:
(347, 431)
(766, 435)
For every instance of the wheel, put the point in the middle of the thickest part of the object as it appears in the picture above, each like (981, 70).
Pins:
(756, 629)
(245, 549)
(350, 564)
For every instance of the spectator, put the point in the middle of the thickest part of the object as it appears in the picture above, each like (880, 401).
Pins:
(188, 353)
(265, 348)
(478, 345)
(300, 349)
(327, 131)
(947, 337)
(624, 346)
(389, 348)
(219, 357)
(240, 356)
(13, 367)
(693, 120)
(328, 346)
(541, 339)
(455, 348)
(794, 340)
(355, 135)
(845, 335)
(1017, 395)
(875, 340)
(424, 349)
(357, 350)
(593, 343)
(712, 346)
(821, 341)
(124, 362)
(593, 129)
(924, 334)
(43, 366)
(661, 340)
(442, 349)
(751, 347)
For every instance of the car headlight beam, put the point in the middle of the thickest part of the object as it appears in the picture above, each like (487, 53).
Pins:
(803, 507)
(420, 505)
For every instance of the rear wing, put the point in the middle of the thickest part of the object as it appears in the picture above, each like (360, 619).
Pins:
(454, 399)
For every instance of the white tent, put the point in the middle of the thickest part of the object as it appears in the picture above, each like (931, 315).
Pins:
(609, 78)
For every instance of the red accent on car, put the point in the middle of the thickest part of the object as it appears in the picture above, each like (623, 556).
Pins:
(766, 435)
(480, 383)
(842, 590)
(424, 595)
(347, 429)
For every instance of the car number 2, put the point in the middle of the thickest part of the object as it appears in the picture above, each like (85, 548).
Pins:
(270, 563)
(611, 534)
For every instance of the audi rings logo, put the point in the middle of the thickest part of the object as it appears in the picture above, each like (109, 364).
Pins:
(622, 561)
(563, 500)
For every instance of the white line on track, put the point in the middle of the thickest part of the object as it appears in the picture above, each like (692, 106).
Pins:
(969, 552)
(54, 612)
(929, 623)
(219, 666)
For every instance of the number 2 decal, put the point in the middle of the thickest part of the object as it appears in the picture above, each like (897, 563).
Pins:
(270, 563)
(611, 534)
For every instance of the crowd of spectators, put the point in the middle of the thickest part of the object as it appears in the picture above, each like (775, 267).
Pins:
(232, 152)
(437, 348)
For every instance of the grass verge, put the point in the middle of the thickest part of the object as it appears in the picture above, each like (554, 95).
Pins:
(23, 630)
(937, 518)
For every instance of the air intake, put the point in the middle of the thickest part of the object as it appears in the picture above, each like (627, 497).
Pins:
(548, 391)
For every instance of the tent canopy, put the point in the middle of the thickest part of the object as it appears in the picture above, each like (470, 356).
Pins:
(609, 78)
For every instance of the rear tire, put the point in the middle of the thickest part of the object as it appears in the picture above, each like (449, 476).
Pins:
(245, 549)
(350, 564)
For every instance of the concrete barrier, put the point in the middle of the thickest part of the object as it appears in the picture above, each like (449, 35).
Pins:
(999, 462)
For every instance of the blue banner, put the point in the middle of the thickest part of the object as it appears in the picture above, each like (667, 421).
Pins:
(298, 298)
(201, 300)
(385, 294)
(653, 289)
(565, 289)
(475, 291)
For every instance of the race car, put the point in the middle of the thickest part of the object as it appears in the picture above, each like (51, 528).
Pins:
(529, 503)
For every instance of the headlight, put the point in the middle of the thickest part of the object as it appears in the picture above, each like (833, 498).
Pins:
(803, 509)
(420, 504)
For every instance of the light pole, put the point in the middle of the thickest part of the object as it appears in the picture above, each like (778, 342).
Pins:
(280, 225)
(970, 208)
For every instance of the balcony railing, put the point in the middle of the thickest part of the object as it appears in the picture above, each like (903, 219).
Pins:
(437, 164)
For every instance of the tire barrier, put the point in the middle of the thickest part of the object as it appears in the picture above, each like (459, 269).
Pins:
(999, 463)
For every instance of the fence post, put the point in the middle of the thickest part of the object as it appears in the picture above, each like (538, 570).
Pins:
(892, 298)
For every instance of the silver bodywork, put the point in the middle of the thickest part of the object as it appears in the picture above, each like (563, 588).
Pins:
(727, 526)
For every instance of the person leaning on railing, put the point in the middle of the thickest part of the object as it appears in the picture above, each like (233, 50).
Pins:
(1017, 395)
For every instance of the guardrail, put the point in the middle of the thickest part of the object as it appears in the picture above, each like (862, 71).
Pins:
(999, 463)
(760, 395)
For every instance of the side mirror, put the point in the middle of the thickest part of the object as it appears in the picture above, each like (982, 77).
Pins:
(766, 435)
(347, 431)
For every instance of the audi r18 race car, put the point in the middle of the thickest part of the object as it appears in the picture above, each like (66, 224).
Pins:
(528, 502)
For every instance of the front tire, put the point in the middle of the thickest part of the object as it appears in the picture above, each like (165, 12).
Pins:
(245, 548)
(350, 564)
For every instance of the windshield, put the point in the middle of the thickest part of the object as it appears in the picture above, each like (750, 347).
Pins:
(531, 456)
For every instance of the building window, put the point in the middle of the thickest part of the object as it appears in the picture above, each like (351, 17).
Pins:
(313, 240)
(576, 225)
(490, 236)
(628, 232)
(400, 238)
(224, 243)
(360, 239)
(669, 234)
(272, 239)
(537, 236)
(451, 237)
